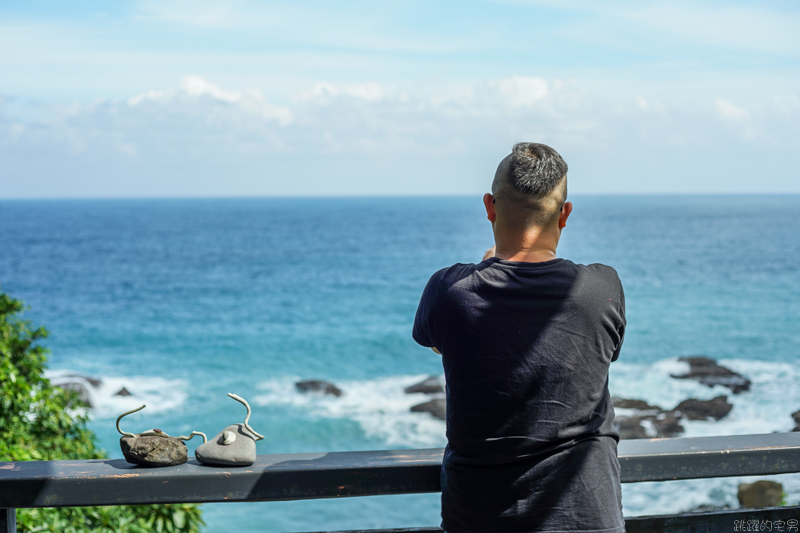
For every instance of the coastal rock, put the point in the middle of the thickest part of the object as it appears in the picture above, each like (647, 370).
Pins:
(713, 409)
(240, 449)
(318, 385)
(796, 418)
(760, 494)
(430, 385)
(667, 425)
(708, 372)
(94, 382)
(437, 408)
(79, 387)
(630, 427)
(649, 420)
(123, 392)
(153, 450)
(639, 405)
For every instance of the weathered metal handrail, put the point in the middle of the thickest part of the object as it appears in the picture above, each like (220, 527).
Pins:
(340, 474)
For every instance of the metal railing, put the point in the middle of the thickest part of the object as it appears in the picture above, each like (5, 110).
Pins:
(279, 477)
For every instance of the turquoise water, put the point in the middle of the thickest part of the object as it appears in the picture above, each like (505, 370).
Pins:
(182, 301)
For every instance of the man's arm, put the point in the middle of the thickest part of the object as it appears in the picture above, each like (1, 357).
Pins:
(423, 331)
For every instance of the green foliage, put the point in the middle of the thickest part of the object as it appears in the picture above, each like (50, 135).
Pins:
(40, 422)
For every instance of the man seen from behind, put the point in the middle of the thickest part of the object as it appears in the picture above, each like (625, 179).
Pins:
(526, 340)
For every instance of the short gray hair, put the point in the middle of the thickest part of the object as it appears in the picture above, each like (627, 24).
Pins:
(535, 169)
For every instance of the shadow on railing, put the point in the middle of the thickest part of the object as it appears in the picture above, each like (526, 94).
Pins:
(345, 474)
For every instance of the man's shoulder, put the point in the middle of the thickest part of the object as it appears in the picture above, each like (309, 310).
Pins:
(455, 272)
(598, 282)
(598, 269)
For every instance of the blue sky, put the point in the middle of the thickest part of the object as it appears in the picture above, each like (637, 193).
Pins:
(195, 98)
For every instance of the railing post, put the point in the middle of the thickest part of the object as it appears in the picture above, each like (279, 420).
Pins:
(8, 521)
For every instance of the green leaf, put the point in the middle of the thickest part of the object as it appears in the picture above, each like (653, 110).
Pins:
(34, 425)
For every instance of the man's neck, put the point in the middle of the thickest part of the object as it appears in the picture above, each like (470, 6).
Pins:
(535, 245)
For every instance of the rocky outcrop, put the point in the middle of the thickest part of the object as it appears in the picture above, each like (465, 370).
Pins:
(650, 421)
(153, 450)
(760, 494)
(630, 427)
(437, 408)
(713, 409)
(708, 372)
(664, 426)
(667, 425)
(796, 418)
(430, 385)
(94, 382)
(661, 424)
(318, 385)
(639, 405)
(123, 392)
(80, 388)
(80, 384)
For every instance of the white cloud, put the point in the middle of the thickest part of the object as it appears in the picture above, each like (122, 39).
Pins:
(197, 86)
(193, 90)
(522, 91)
(730, 112)
(427, 136)
(325, 91)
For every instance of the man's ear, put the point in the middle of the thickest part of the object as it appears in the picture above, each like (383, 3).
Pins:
(566, 209)
(488, 203)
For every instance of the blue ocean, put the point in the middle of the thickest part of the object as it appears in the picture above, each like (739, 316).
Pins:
(183, 301)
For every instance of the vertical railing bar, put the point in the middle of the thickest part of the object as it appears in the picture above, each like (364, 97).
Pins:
(8, 521)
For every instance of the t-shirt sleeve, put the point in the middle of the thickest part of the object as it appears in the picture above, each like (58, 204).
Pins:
(423, 330)
(623, 323)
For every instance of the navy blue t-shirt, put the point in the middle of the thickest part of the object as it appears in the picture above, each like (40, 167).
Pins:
(526, 349)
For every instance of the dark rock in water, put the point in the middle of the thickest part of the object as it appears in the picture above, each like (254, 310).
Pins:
(153, 450)
(639, 405)
(430, 385)
(714, 409)
(237, 448)
(630, 427)
(123, 392)
(317, 385)
(760, 494)
(94, 382)
(796, 417)
(708, 372)
(438, 408)
(664, 423)
(667, 425)
(84, 396)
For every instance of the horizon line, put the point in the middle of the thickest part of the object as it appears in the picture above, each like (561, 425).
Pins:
(383, 196)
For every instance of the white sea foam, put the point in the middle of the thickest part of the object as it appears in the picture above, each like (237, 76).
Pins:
(159, 394)
(379, 406)
(765, 408)
(382, 409)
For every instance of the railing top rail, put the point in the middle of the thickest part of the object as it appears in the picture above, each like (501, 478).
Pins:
(338, 474)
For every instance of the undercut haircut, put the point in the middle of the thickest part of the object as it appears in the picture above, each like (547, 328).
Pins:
(531, 183)
(535, 169)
